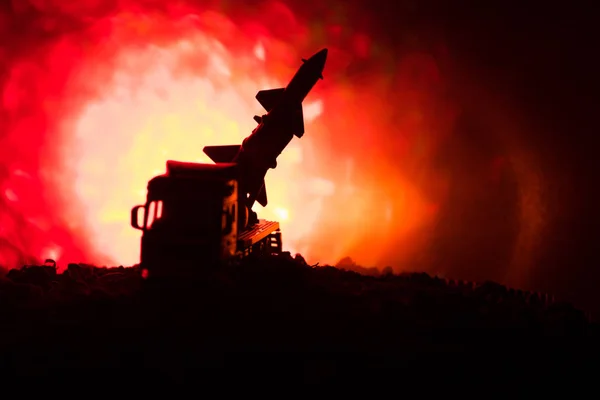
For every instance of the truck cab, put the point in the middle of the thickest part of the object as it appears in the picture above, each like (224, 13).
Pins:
(191, 221)
(190, 218)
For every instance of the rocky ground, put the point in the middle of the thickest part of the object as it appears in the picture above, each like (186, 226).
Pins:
(283, 318)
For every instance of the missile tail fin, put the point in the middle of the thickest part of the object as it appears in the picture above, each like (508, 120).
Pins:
(297, 121)
(261, 198)
(222, 154)
(269, 98)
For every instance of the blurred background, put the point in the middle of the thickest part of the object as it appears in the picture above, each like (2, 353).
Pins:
(452, 140)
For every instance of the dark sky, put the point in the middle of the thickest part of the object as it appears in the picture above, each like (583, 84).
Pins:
(544, 58)
(540, 58)
(547, 58)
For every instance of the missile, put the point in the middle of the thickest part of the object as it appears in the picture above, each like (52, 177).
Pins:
(284, 119)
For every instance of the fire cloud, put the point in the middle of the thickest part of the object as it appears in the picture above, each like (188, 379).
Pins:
(97, 98)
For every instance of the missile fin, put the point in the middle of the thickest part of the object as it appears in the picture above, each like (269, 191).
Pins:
(269, 98)
(261, 198)
(297, 121)
(222, 154)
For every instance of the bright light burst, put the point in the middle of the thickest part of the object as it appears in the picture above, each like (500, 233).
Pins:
(125, 138)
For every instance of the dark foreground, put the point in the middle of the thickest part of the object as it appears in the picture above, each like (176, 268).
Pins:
(281, 319)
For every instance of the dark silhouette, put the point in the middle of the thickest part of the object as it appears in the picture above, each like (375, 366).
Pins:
(308, 324)
(202, 213)
(324, 322)
(284, 119)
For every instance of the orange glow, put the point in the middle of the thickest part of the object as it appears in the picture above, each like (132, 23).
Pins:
(151, 87)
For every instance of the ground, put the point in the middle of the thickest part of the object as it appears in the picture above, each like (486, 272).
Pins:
(281, 317)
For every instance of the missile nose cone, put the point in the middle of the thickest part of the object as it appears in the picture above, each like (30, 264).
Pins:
(317, 61)
(320, 58)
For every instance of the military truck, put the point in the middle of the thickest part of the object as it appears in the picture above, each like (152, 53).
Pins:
(200, 215)
(191, 221)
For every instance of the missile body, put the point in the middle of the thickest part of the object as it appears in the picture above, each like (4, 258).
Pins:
(284, 119)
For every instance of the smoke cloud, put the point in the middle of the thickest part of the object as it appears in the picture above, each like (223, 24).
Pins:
(407, 161)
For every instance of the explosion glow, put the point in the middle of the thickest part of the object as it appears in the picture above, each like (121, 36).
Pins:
(95, 109)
